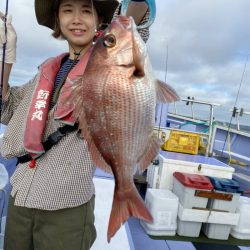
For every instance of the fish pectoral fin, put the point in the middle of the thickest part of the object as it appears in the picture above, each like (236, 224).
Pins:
(166, 93)
(150, 153)
(97, 157)
(94, 152)
(126, 204)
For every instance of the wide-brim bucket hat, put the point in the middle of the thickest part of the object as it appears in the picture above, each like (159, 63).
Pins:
(45, 11)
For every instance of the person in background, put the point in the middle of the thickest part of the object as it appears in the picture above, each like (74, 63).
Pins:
(52, 198)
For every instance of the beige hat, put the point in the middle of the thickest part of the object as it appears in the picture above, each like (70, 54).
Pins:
(45, 11)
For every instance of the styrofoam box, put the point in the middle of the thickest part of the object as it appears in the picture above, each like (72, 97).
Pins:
(152, 175)
(152, 230)
(193, 215)
(190, 220)
(229, 206)
(163, 206)
(188, 228)
(219, 225)
(242, 230)
(169, 162)
(187, 196)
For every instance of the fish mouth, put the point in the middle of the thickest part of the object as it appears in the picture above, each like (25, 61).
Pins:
(124, 22)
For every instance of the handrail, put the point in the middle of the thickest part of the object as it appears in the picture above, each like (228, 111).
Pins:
(238, 112)
(210, 124)
(201, 102)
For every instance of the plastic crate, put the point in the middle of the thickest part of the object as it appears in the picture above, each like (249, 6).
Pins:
(182, 142)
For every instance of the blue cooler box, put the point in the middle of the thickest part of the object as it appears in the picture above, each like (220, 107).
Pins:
(231, 192)
(225, 186)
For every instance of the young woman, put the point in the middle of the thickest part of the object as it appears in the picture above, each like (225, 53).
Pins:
(52, 198)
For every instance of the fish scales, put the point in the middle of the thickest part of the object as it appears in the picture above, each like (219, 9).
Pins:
(119, 123)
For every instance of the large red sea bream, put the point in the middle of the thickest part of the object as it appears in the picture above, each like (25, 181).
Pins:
(115, 101)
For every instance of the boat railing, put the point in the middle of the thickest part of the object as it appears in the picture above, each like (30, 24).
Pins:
(237, 113)
(210, 121)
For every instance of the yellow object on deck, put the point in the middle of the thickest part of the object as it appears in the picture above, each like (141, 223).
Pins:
(236, 162)
(182, 142)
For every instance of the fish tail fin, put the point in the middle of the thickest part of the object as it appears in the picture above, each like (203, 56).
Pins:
(126, 204)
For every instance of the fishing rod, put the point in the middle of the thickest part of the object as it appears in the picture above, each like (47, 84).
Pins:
(4, 19)
(152, 10)
(166, 71)
(236, 100)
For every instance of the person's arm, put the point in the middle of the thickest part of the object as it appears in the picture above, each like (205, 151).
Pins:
(137, 9)
(11, 97)
(142, 13)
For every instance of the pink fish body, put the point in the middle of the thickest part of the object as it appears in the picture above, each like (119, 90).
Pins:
(115, 101)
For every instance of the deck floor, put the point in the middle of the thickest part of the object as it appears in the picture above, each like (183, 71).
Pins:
(131, 236)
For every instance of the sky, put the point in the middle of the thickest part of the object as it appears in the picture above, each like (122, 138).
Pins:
(201, 48)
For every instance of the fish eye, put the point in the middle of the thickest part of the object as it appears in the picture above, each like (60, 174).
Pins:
(109, 41)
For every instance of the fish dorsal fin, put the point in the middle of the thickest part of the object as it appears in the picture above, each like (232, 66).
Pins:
(150, 153)
(166, 93)
(77, 99)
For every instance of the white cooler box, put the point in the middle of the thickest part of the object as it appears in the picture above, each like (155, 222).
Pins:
(161, 176)
(190, 220)
(219, 224)
(226, 197)
(163, 206)
(242, 230)
(230, 188)
(185, 187)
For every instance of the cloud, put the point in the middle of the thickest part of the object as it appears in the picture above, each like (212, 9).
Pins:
(34, 43)
(207, 44)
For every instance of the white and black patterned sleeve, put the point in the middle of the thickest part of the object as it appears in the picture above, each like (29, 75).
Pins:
(143, 32)
(12, 99)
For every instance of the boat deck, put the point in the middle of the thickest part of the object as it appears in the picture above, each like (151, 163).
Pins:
(241, 174)
(131, 236)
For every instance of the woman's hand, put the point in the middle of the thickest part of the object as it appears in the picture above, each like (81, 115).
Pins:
(11, 39)
(137, 9)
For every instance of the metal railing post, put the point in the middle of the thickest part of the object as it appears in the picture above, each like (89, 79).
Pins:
(210, 131)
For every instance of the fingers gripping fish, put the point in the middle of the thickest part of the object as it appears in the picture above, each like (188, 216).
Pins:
(115, 101)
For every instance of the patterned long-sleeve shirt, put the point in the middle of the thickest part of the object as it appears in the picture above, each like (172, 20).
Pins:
(63, 176)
